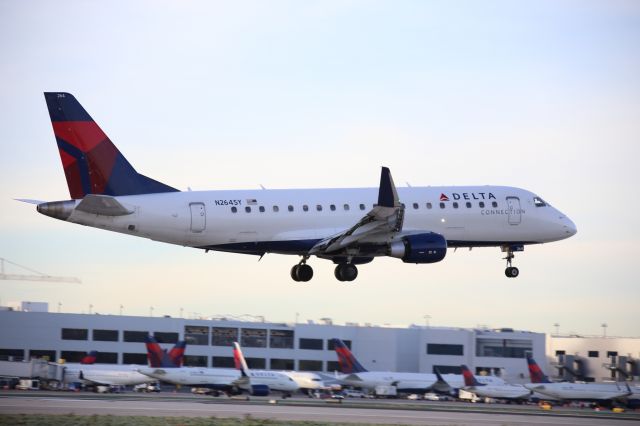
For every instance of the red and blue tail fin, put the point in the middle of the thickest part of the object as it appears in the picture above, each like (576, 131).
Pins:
(238, 359)
(89, 358)
(469, 378)
(176, 354)
(154, 352)
(348, 363)
(92, 163)
(537, 376)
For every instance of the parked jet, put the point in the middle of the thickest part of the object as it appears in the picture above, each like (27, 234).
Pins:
(89, 358)
(261, 382)
(347, 226)
(159, 357)
(117, 374)
(600, 392)
(354, 374)
(503, 391)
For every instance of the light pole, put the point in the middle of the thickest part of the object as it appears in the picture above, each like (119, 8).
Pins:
(90, 307)
(59, 306)
(121, 307)
(557, 326)
(150, 311)
(604, 329)
(426, 320)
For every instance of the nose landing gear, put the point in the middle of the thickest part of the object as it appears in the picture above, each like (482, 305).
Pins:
(511, 271)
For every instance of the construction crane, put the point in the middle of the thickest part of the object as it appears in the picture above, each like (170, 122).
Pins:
(38, 276)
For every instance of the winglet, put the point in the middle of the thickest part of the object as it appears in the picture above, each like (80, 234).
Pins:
(387, 194)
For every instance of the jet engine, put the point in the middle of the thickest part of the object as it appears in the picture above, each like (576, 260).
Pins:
(419, 248)
(259, 390)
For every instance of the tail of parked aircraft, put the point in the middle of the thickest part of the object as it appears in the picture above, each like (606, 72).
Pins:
(469, 378)
(89, 358)
(92, 164)
(537, 376)
(238, 358)
(159, 357)
(348, 363)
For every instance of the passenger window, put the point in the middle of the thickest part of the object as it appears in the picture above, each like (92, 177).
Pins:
(442, 205)
(346, 207)
(481, 204)
(361, 206)
(247, 209)
(261, 208)
(455, 204)
(290, 208)
(234, 210)
(332, 207)
(429, 206)
(276, 209)
(415, 206)
(319, 207)
(494, 204)
(305, 208)
(468, 204)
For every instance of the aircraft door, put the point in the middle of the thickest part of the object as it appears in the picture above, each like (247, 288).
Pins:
(198, 217)
(515, 213)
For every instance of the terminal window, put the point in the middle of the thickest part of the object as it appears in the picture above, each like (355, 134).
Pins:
(257, 363)
(444, 349)
(42, 354)
(165, 337)
(135, 336)
(309, 365)
(281, 339)
(612, 353)
(224, 336)
(333, 366)
(196, 335)
(195, 361)
(447, 369)
(331, 346)
(222, 362)
(129, 358)
(594, 354)
(14, 354)
(75, 334)
(282, 364)
(73, 356)
(503, 348)
(107, 358)
(314, 344)
(254, 338)
(105, 335)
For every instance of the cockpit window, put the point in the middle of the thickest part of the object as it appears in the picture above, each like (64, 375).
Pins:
(539, 202)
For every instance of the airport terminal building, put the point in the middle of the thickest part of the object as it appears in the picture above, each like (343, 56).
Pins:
(35, 333)
(278, 346)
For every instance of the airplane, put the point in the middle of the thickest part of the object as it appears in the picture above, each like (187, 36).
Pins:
(261, 382)
(159, 357)
(598, 392)
(121, 375)
(354, 374)
(503, 391)
(350, 227)
(89, 358)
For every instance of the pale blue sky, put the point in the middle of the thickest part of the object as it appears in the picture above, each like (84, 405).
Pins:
(543, 95)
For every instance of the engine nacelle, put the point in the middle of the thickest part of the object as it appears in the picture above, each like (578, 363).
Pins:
(420, 248)
(259, 390)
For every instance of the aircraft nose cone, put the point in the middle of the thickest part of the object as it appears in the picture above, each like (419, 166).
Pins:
(569, 227)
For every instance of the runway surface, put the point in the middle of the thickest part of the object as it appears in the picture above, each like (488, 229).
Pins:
(206, 407)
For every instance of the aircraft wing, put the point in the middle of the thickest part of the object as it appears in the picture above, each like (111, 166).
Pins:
(384, 220)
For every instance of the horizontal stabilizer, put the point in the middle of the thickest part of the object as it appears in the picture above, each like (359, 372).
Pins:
(30, 201)
(104, 205)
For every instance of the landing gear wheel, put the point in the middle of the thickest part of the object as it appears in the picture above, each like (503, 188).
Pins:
(302, 272)
(512, 272)
(346, 272)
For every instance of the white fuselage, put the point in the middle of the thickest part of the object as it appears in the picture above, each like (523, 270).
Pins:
(500, 391)
(275, 380)
(294, 219)
(305, 379)
(114, 375)
(194, 376)
(409, 382)
(579, 391)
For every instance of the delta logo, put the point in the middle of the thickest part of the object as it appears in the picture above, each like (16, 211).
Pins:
(468, 196)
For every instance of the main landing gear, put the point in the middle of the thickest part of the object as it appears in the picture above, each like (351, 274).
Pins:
(303, 272)
(511, 271)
